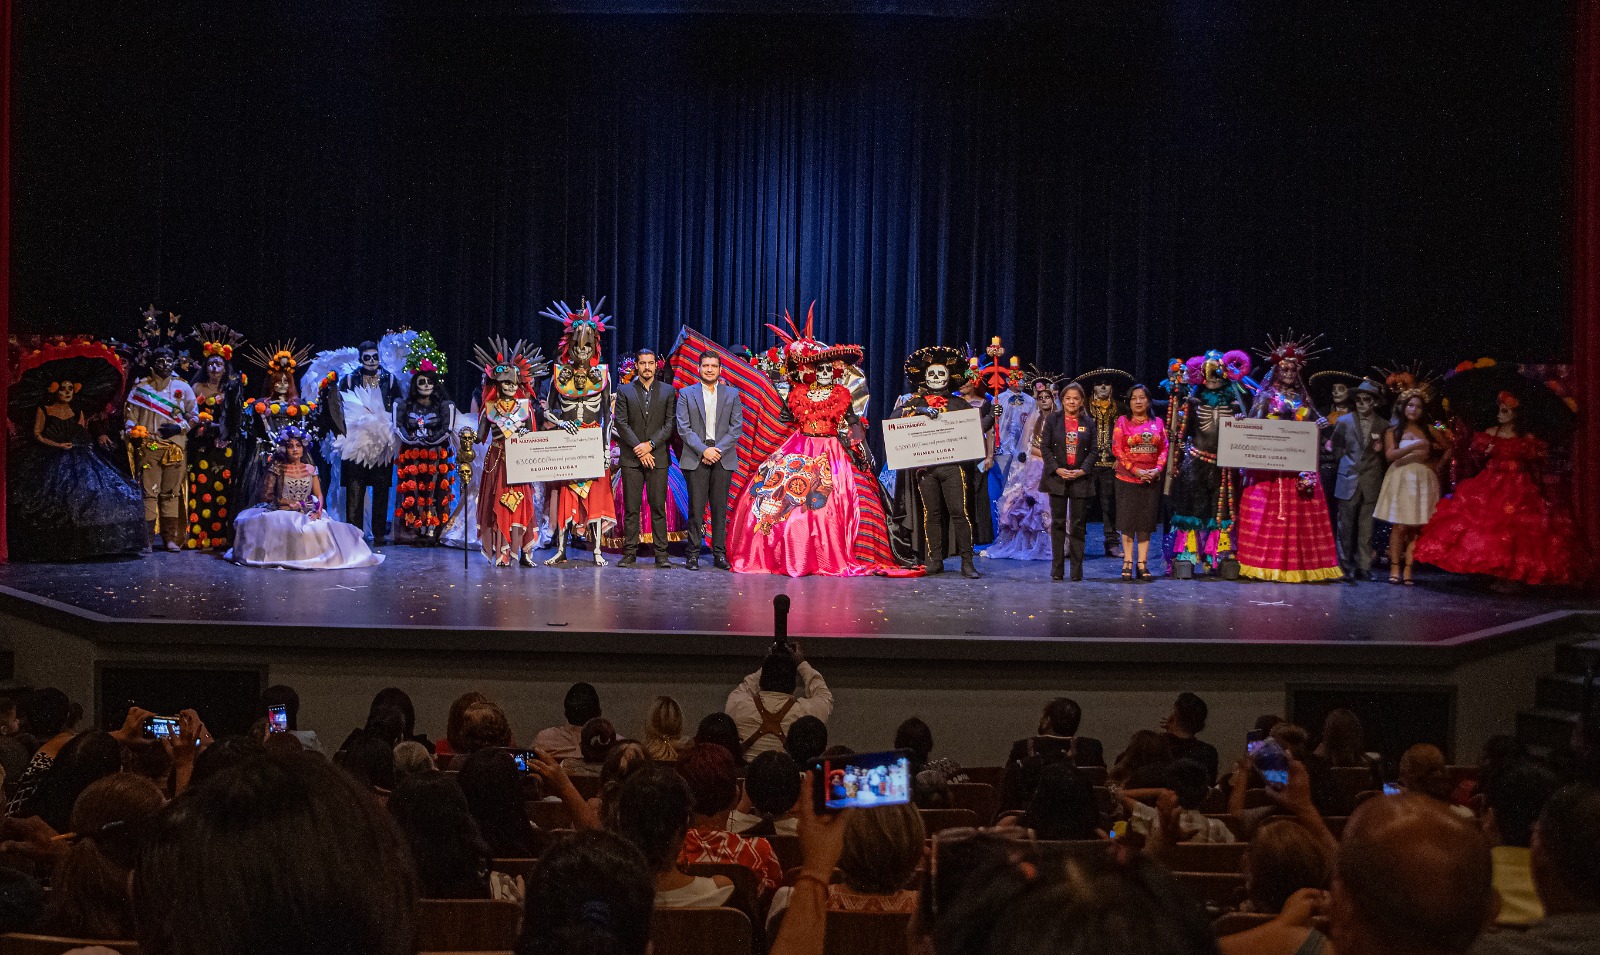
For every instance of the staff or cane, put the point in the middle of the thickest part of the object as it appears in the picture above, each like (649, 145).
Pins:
(465, 458)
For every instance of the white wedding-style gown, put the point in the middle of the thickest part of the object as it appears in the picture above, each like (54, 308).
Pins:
(268, 536)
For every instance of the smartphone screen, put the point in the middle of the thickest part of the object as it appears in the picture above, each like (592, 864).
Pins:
(524, 758)
(862, 781)
(1253, 741)
(162, 727)
(1272, 763)
(277, 719)
(1390, 789)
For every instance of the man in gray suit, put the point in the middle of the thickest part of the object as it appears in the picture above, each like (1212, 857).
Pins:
(710, 423)
(1358, 449)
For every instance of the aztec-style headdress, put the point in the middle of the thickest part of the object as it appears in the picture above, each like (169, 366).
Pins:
(801, 348)
(1291, 348)
(424, 354)
(1403, 381)
(515, 363)
(278, 359)
(1119, 380)
(217, 339)
(916, 366)
(158, 329)
(585, 320)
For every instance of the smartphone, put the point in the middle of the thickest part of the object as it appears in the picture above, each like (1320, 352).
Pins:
(161, 727)
(1253, 741)
(277, 719)
(862, 781)
(1272, 763)
(525, 759)
(1390, 789)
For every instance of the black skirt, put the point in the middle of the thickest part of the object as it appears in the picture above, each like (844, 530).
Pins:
(1138, 507)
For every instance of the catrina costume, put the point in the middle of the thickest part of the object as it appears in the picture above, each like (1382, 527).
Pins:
(214, 441)
(425, 466)
(507, 524)
(279, 407)
(291, 528)
(1284, 531)
(580, 397)
(1204, 497)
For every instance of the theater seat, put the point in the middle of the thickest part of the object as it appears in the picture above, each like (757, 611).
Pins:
(719, 931)
(867, 933)
(18, 943)
(467, 925)
(1225, 857)
(938, 820)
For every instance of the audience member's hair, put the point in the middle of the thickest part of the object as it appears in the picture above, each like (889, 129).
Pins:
(1500, 752)
(653, 812)
(411, 758)
(582, 703)
(451, 857)
(1191, 712)
(282, 744)
(1516, 796)
(720, 729)
(1413, 877)
(370, 760)
(1344, 738)
(779, 672)
(625, 759)
(591, 894)
(1081, 904)
(930, 790)
(1063, 804)
(709, 773)
(284, 696)
(663, 731)
(492, 784)
(1293, 739)
(398, 699)
(86, 759)
(882, 849)
(806, 739)
(89, 892)
(773, 783)
(1147, 751)
(916, 736)
(226, 753)
(456, 721)
(596, 740)
(387, 723)
(44, 712)
(1569, 843)
(1265, 722)
(838, 751)
(1189, 780)
(148, 758)
(1422, 771)
(483, 725)
(1283, 858)
(271, 856)
(1061, 717)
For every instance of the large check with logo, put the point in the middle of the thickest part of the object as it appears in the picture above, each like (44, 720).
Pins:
(555, 456)
(1268, 444)
(919, 441)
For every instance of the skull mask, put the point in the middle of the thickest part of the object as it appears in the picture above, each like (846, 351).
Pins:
(369, 361)
(825, 376)
(1102, 390)
(508, 389)
(216, 367)
(1341, 393)
(937, 378)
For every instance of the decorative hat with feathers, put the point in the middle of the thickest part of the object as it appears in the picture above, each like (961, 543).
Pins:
(217, 339)
(503, 362)
(1403, 381)
(916, 366)
(801, 348)
(1301, 348)
(585, 320)
(280, 359)
(158, 329)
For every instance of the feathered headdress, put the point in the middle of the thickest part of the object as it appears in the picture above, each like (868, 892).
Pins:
(159, 328)
(1402, 381)
(279, 358)
(585, 319)
(801, 348)
(504, 362)
(217, 339)
(1291, 348)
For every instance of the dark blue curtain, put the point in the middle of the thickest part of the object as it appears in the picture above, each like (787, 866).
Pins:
(1103, 185)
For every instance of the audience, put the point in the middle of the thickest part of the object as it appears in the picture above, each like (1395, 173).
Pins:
(594, 744)
(492, 784)
(87, 759)
(771, 789)
(451, 857)
(1423, 772)
(581, 705)
(718, 729)
(624, 760)
(370, 759)
(1284, 858)
(592, 893)
(1140, 765)
(453, 740)
(709, 774)
(765, 704)
(663, 730)
(1565, 859)
(1057, 741)
(654, 810)
(411, 758)
(1513, 800)
(1063, 806)
(88, 895)
(917, 736)
(44, 718)
(483, 726)
(1187, 782)
(882, 850)
(1500, 752)
(807, 740)
(1343, 739)
(1183, 725)
(286, 697)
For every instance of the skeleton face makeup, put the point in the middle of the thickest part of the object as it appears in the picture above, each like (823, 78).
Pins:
(1102, 390)
(937, 377)
(1041, 392)
(162, 367)
(508, 389)
(66, 391)
(582, 351)
(424, 387)
(1288, 371)
(1341, 392)
(369, 362)
(280, 384)
(824, 375)
(1365, 403)
(215, 367)
(1505, 415)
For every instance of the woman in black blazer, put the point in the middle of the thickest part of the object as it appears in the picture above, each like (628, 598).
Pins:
(1068, 450)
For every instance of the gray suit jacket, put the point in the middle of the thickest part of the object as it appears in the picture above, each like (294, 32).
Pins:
(1360, 467)
(692, 425)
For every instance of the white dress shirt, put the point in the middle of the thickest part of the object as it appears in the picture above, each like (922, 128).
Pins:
(709, 392)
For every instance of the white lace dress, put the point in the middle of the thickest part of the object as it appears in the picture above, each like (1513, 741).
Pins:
(269, 536)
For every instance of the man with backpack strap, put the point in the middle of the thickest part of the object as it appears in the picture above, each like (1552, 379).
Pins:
(766, 704)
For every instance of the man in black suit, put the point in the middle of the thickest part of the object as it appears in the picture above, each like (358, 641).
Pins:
(645, 412)
(1068, 450)
(1057, 741)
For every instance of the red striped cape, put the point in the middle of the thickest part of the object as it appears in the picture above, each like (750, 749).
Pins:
(763, 434)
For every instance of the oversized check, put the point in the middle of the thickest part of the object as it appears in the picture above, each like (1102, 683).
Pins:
(1268, 444)
(919, 441)
(555, 456)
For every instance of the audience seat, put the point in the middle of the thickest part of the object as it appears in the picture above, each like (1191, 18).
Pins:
(1097, 774)
(1351, 781)
(549, 815)
(467, 925)
(867, 933)
(522, 867)
(719, 931)
(988, 775)
(981, 798)
(18, 943)
(1234, 823)
(1220, 890)
(787, 849)
(1072, 847)
(1225, 857)
(938, 820)
(747, 895)
(587, 786)
(1235, 922)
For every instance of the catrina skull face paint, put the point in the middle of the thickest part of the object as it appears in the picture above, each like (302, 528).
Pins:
(937, 377)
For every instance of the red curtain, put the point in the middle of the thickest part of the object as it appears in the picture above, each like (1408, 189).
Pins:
(1586, 265)
(5, 236)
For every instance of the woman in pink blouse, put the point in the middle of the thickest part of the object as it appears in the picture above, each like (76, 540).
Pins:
(1139, 443)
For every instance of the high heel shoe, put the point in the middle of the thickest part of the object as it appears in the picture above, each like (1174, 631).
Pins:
(1142, 572)
(1127, 570)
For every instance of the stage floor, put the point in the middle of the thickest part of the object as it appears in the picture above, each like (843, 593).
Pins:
(427, 599)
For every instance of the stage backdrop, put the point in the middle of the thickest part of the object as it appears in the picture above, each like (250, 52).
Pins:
(1114, 184)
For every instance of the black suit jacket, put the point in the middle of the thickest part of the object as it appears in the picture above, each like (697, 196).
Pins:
(634, 425)
(1054, 450)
